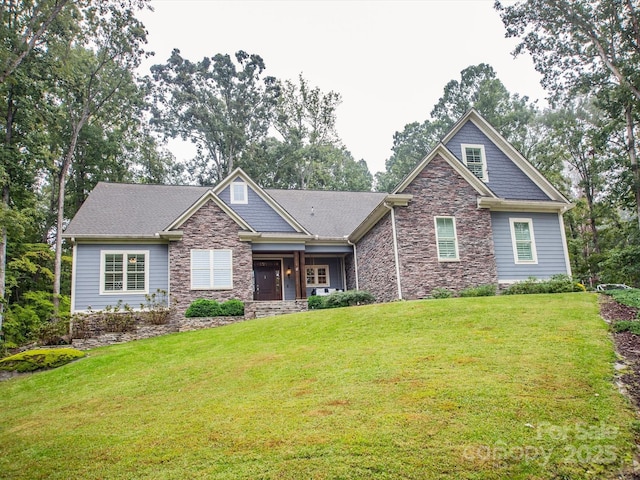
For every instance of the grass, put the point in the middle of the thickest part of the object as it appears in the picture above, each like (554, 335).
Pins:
(516, 387)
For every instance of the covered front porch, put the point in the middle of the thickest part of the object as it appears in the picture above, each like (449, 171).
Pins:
(297, 274)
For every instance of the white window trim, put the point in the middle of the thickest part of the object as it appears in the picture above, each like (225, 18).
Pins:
(534, 253)
(464, 146)
(124, 291)
(455, 239)
(245, 197)
(210, 287)
(315, 275)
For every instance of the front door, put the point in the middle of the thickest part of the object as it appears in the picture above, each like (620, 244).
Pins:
(268, 283)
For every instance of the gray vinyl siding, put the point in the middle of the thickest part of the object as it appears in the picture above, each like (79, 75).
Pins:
(256, 212)
(505, 179)
(548, 240)
(336, 278)
(87, 275)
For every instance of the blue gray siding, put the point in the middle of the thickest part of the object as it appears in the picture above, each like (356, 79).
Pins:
(87, 275)
(256, 212)
(336, 278)
(549, 246)
(505, 179)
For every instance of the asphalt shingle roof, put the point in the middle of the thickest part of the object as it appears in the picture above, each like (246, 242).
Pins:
(117, 209)
(132, 209)
(327, 214)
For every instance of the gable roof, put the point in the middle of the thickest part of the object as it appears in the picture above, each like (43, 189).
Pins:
(131, 210)
(451, 159)
(238, 172)
(509, 150)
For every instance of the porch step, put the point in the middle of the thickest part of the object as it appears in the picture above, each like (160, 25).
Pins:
(280, 307)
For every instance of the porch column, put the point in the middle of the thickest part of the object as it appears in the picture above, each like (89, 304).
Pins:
(303, 276)
(296, 273)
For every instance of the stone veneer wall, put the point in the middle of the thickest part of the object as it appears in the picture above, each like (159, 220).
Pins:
(376, 264)
(440, 191)
(209, 228)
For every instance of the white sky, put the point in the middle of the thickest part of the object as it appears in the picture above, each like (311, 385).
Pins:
(390, 60)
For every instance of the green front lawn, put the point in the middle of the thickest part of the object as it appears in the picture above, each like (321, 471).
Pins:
(517, 387)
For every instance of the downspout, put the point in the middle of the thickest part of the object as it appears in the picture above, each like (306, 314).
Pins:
(395, 249)
(355, 261)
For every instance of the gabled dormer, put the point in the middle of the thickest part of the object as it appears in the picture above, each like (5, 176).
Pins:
(493, 160)
(256, 207)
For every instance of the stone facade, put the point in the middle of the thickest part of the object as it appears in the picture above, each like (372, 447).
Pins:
(209, 228)
(376, 264)
(440, 191)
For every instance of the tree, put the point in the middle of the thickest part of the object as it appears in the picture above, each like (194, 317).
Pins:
(93, 74)
(584, 46)
(308, 152)
(220, 105)
(479, 88)
(24, 26)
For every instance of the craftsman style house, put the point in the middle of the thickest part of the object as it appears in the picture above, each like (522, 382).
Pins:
(472, 212)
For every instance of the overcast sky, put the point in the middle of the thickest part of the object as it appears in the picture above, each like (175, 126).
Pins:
(390, 60)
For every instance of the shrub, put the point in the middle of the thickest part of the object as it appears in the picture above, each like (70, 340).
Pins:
(341, 299)
(440, 292)
(203, 307)
(32, 360)
(479, 291)
(627, 326)
(232, 308)
(156, 308)
(315, 302)
(556, 284)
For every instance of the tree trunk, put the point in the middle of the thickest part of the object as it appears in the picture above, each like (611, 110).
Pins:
(631, 147)
(3, 257)
(62, 181)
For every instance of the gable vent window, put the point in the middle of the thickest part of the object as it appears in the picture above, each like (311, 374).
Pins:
(124, 272)
(446, 239)
(239, 193)
(524, 244)
(211, 270)
(476, 161)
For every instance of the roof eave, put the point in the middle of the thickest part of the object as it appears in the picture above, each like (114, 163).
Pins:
(391, 200)
(505, 205)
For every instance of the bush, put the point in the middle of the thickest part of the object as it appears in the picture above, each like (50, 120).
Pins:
(341, 299)
(479, 291)
(232, 308)
(315, 302)
(203, 307)
(32, 360)
(156, 308)
(556, 284)
(627, 326)
(440, 292)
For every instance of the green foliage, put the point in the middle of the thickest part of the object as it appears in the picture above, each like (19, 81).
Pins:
(622, 265)
(479, 291)
(33, 320)
(203, 307)
(441, 292)
(41, 359)
(232, 308)
(627, 326)
(630, 297)
(559, 283)
(315, 302)
(340, 299)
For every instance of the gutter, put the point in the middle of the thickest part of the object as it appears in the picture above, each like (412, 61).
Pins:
(395, 249)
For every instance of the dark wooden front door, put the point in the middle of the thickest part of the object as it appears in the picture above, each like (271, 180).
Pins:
(268, 281)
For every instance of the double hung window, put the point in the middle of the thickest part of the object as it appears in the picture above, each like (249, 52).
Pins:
(523, 240)
(446, 238)
(124, 271)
